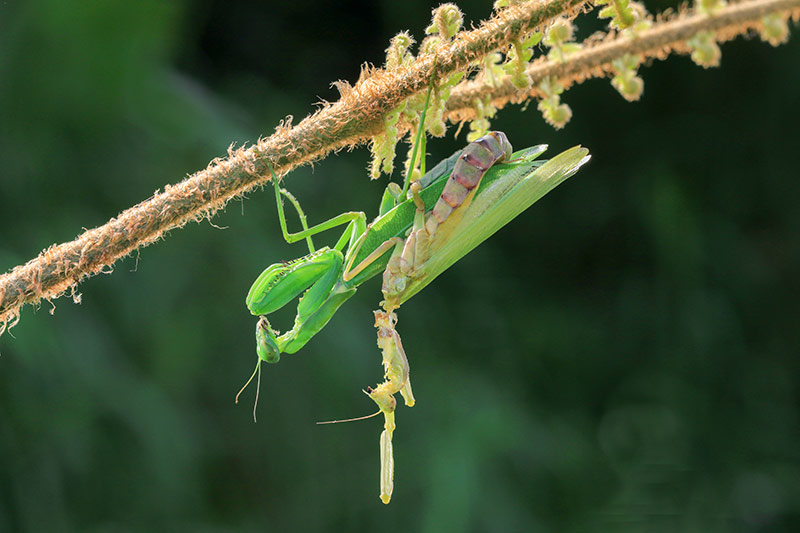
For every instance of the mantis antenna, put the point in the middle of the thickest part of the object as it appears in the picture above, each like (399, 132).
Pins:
(258, 388)
(376, 413)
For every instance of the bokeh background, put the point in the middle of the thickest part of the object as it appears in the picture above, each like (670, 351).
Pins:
(622, 357)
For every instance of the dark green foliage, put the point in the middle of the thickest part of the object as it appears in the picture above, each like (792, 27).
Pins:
(622, 357)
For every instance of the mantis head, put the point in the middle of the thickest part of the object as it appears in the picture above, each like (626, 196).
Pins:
(266, 342)
(267, 349)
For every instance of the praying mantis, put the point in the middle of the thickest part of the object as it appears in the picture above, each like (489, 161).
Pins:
(420, 231)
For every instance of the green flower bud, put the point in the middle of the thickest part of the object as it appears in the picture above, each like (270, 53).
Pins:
(705, 51)
(774, 29)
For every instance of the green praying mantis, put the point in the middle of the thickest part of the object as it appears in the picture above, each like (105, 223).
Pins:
(419, 232)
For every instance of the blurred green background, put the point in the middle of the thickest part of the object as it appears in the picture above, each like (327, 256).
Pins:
(622, 357)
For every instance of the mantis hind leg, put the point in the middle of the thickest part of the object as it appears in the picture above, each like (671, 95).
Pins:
(356, 221)
(289, 196)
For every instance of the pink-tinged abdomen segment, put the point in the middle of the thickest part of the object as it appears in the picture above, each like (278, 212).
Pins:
(477, 158)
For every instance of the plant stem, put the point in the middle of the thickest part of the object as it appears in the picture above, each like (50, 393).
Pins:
(352, 120)
(594, 60)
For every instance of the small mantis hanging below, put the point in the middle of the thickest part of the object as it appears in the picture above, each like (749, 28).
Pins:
(419, 232)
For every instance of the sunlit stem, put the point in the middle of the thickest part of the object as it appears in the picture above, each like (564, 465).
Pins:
(420, 134)
(423, 141)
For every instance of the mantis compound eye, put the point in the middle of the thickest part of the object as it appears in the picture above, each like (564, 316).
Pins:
(266, 343)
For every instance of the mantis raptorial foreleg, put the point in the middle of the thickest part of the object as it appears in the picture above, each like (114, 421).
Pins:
(318, 274)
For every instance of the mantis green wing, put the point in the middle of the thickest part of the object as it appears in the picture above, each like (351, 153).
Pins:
(514, 189)
(399, 220)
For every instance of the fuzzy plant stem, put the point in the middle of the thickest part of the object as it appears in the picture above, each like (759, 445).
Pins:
(595, 60)
(352, 120)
